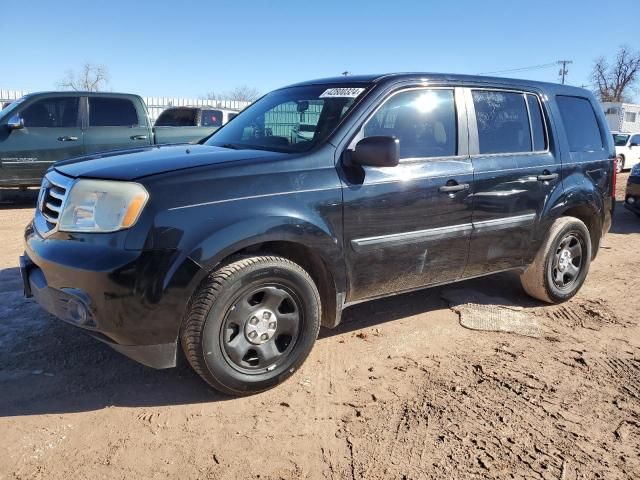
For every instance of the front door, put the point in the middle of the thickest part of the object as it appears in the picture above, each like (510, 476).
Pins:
(114, 123)
(515, 172)
(51, 133)
(409, 226)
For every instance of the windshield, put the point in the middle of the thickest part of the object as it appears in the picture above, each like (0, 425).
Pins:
(290, 120)
(620, 140)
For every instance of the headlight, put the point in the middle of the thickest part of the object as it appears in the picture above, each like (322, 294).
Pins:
(635, 171)
(102, 206)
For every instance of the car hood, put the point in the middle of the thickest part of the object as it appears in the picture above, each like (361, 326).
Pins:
(142, 162)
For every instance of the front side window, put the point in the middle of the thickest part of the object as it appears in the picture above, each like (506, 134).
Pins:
(635, 140)
(61, 112)
(503, 122)
(580, 124)
(289, 120)
(211, 118)
(423, 120)
(620, 140)
(112, 112)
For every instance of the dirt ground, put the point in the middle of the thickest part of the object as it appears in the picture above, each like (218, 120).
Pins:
(401, 390)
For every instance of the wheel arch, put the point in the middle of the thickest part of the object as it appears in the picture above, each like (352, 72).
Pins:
(310, 245)
(583, 204)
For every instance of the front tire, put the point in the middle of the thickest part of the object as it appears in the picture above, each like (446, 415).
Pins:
(251, 324)
(562, 263)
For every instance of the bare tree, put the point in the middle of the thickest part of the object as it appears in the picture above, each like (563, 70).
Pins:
(242, 93)
(90, 78)
(211, 96)
(613, 82)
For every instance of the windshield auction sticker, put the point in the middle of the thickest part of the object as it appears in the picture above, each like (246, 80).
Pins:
(343, 92)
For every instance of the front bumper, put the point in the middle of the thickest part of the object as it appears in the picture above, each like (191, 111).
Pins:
(133, 301)
(632, 195)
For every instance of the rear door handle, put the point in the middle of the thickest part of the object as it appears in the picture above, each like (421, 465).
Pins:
(138, 137)
(454, 188)
(67, 139)
(546, 176)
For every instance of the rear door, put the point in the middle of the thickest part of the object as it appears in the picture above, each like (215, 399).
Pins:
(515, 172)
(409, 226)
(114, 123)
(51, 133)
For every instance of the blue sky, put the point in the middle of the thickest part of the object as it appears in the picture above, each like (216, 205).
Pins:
(188, 47)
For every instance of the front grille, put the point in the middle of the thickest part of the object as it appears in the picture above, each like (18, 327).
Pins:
(53, 192)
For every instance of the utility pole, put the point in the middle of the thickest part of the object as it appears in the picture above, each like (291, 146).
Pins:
(563, 70)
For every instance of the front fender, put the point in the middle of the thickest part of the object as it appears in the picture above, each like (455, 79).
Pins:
(223, 242)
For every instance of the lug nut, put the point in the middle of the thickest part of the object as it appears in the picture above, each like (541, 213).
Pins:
(266, 315)
(272, 325)
(253, 321)
(253, 334)
(264, 336)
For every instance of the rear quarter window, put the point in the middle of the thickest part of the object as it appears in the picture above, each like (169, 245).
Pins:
(580, 124)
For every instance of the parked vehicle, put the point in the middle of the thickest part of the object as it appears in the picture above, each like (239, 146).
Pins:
(238, 249)
(42, 128)
(632, 196)
(627, 150)
(189, 124)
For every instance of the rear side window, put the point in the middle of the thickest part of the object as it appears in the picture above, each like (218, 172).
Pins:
(177, 117)
(211, 118)
(537, 124)
(423, 120)
(503, 122)
(112, 112)
(580, 123)
(61, 112)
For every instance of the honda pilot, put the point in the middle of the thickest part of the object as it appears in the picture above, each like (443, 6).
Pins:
(238, 249)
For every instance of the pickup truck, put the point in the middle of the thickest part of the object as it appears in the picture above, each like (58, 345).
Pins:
(236, 250)
(42, 128)
(189, 124)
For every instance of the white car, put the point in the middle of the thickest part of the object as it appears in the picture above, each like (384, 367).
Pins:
(627, 150)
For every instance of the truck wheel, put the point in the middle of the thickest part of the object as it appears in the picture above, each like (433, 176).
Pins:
(251, 324)
(619, 163)
(562, 263)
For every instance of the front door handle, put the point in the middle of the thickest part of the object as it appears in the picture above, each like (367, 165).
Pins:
(68, 139)
(138, 137)
(547, 176)
(458, 187)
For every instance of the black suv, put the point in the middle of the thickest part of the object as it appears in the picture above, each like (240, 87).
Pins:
(240, 248)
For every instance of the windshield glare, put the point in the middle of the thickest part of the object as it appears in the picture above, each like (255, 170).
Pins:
(290, 120)
(620, 140)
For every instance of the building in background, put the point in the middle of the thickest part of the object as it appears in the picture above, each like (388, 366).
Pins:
(622, 117)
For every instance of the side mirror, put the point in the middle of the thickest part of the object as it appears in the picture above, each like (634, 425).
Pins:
(377, 152)
(633, 145)
(16, 122)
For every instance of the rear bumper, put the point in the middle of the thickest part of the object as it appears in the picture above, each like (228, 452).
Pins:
(133, 301)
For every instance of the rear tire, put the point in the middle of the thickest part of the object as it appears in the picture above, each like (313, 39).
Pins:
(562, 263)
(251, 324)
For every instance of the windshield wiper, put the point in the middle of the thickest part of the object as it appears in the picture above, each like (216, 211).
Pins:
(232, 146)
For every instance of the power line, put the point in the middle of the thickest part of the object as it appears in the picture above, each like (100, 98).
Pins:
(521, 69)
